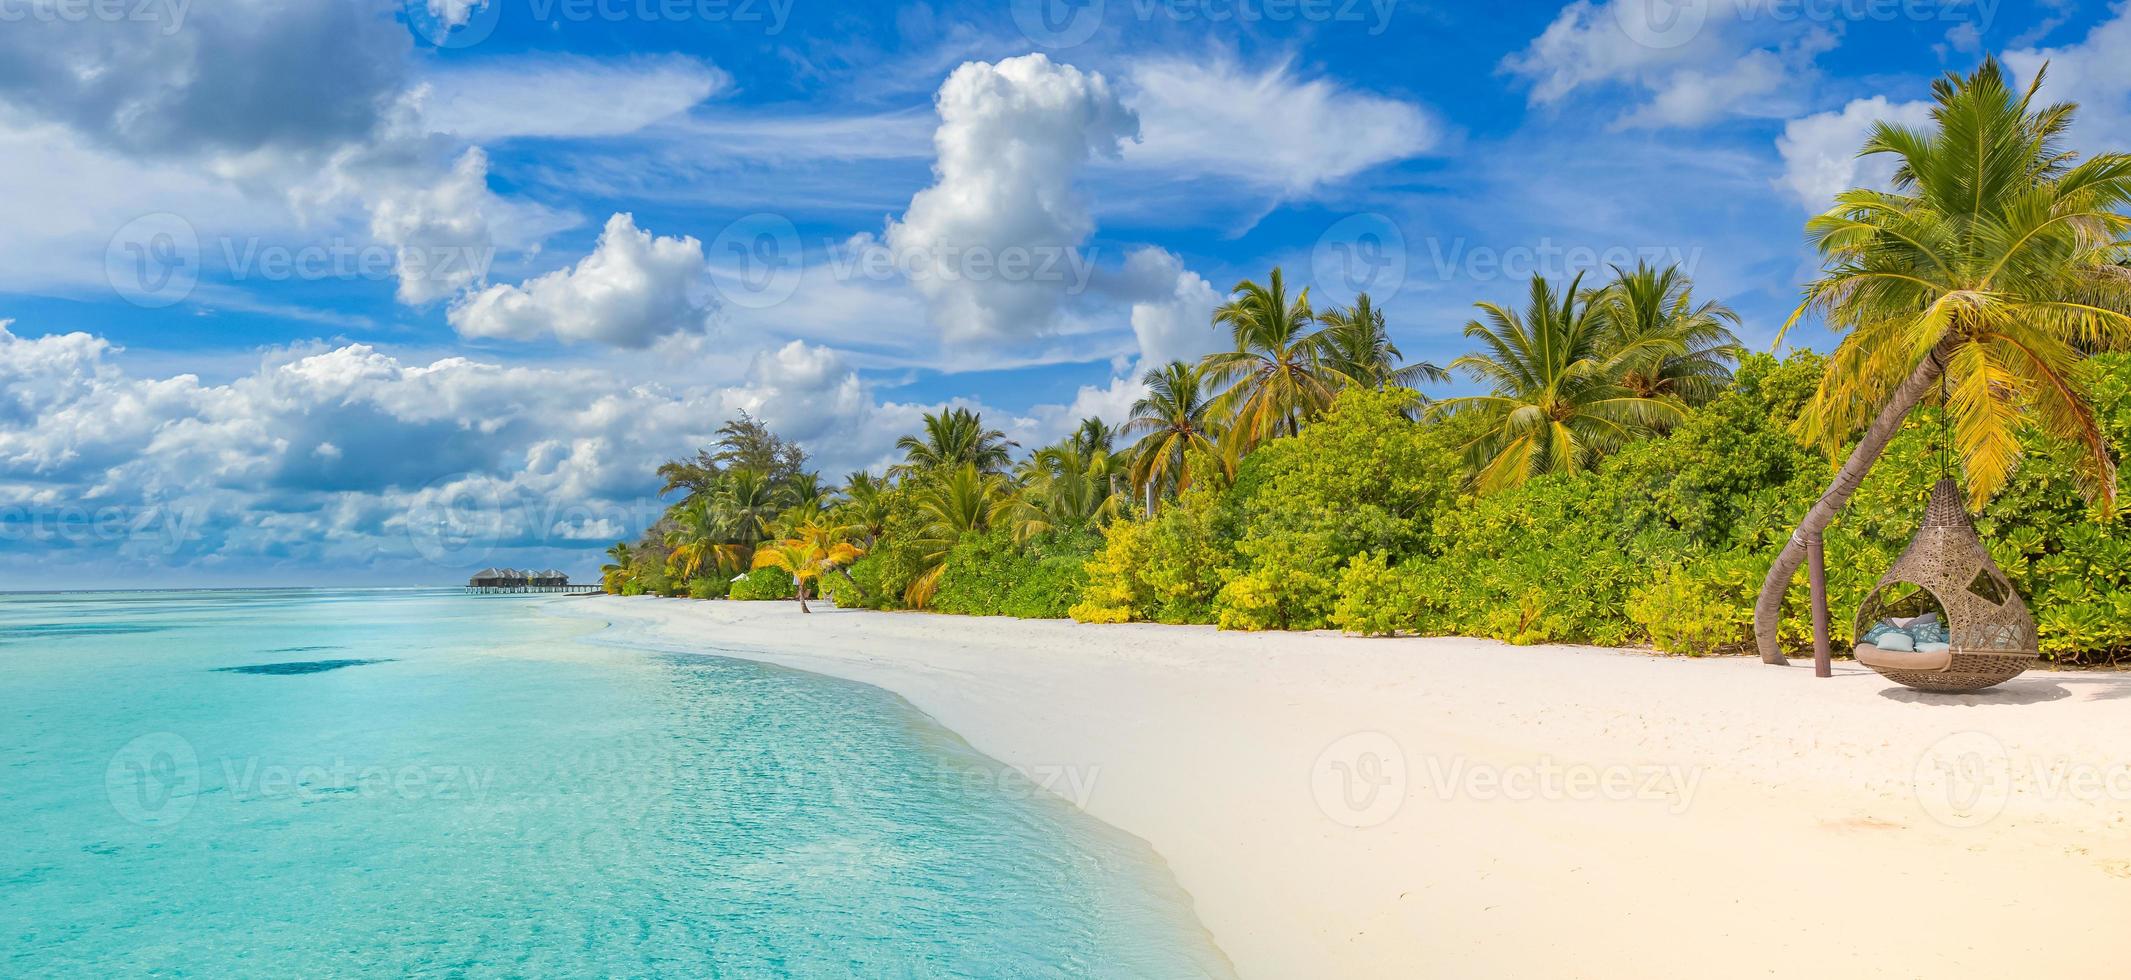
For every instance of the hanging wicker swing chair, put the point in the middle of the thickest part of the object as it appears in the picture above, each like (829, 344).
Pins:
(1983, 634)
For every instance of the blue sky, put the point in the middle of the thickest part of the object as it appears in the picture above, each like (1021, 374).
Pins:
(382, 292)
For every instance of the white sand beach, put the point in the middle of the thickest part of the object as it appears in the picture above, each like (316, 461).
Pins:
(1342, 807)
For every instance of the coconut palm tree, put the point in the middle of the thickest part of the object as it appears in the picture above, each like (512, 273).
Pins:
(1359, 348)
(1174, 418)
(1980, 283)
(1092, 436)
(866, 506)
(1648, 302)
(951, 438)
(1276, 376)
(616, 572)
(1557, 404)
(813, 550)
(954, 502)
(698, 538)
(746, 504)
(1065, 489)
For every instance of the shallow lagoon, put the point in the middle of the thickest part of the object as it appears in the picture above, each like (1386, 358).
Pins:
(291, 782)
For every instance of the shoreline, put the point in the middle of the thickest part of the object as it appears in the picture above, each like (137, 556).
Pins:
(1340, 806)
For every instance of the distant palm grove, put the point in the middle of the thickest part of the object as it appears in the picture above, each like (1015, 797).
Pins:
(1629, 474)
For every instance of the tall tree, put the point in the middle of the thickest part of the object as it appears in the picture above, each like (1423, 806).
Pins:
(1358, 346)
(1557, 404)
(1695, 363)
(952, 438)
(951, 503)
(1980, 282)
(1173, 418)
(746, 443)
(1276, 376)
(1065, 489)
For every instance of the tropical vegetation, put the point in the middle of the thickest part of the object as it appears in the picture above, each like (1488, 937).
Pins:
(1616, 470)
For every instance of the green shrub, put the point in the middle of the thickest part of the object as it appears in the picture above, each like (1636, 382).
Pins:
(707, 587)
(1376, 599)
(763, 584)
(989, 575)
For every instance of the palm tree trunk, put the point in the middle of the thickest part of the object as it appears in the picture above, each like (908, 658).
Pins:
(1769, 609)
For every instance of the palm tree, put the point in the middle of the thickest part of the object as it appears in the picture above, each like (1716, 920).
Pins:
(1065, 489)
(698, 538)
(955, 502)
(1557, 404)
(1174, 418)
(1092, 436)
(746, 504)
(951, 438)
(1980, 283)
(1359, 348)
(1276, 375)
(866, 506)
(1652, 303)
(812, 551)
(615, 572)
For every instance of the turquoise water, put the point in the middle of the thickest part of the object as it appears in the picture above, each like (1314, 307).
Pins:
(317, 782)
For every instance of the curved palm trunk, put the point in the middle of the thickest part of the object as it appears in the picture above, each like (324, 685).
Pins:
(800, 590)
(1769, 608)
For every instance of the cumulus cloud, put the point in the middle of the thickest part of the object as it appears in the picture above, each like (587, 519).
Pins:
(632, 289)
(1305, 133)
(1693, 63)
(1171, 310)
(1012, 138)
(1820, 151)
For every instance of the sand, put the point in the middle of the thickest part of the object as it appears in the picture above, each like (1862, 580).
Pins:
(1346, 807)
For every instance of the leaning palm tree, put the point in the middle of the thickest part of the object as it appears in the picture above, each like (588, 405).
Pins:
(1980, 283)
(813, 550)
(1359, 348)
(953, 503)
(952, 438)
(1557, 404)
(1276, 376)
(1175, 417)
(1648, 302)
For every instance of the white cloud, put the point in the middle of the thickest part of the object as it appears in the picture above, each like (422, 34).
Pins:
(550, 96)
(1011, 140)
(2095, 72)
(1694, 62)
(1820, 151)
(1269, 127)
(631, 290)
(1172, 310)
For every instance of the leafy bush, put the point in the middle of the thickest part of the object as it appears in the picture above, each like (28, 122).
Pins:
(707, 587)
(989, 575)
(763, 584)
(1376, 599)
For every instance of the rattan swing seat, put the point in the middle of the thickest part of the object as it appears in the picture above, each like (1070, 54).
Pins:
(1990, 633)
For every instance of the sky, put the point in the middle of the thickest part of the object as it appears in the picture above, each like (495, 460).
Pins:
(379, 293)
